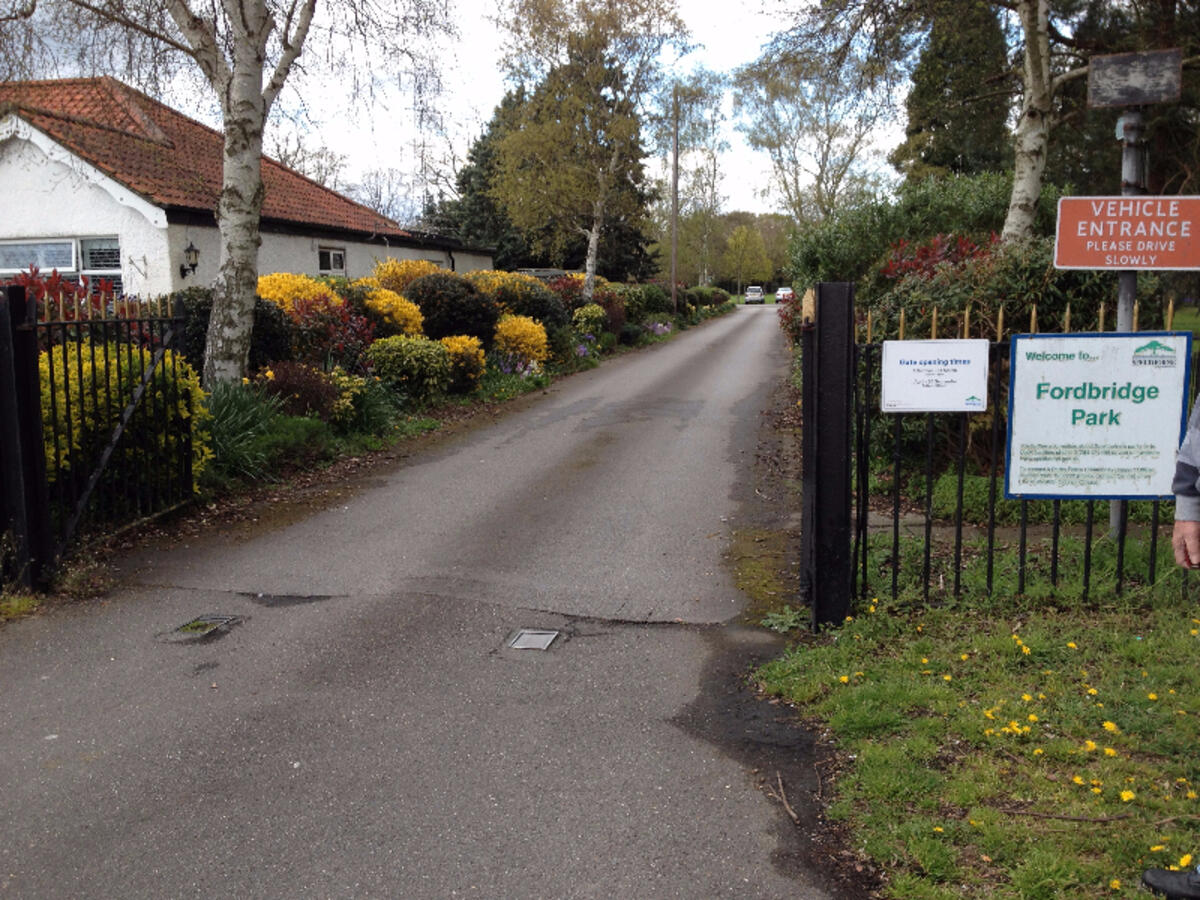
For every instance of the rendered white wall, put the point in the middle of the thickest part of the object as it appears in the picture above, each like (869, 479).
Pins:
(43, 197)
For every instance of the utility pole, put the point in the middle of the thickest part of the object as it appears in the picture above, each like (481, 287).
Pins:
(674, 196)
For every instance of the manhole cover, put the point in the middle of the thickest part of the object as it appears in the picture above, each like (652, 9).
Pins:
(201, 626)
(532, 639)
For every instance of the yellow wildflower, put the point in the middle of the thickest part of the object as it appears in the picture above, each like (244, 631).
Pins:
(1126, 796)
(1111, 726)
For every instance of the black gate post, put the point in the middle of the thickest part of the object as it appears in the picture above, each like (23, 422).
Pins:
(827, 386)
(22, 456)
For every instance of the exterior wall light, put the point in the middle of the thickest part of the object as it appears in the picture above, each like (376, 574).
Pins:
(191, 258)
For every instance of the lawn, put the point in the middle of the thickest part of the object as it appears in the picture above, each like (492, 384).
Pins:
(1003, 748)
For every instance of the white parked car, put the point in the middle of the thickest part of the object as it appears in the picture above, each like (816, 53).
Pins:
(754, 294)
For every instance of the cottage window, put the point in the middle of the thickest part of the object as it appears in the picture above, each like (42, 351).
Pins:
(331, 261)
(18, 256)
(70, 257)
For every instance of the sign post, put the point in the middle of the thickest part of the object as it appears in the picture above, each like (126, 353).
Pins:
(1133, 80)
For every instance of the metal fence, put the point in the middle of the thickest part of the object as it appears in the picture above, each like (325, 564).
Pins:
(100, 422)
(930, 514)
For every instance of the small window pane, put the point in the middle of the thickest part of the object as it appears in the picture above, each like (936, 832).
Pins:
(101, 253)
(331, 261)
(46, 255)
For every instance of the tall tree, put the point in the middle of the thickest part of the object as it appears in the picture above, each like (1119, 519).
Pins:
(697, 118)
(1046, 41)
(592, 67)
(245, 51)
(745, 258)
(815, 122)
(958, 105)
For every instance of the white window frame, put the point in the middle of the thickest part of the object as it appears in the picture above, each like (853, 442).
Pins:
(331, 269)
(77, 268)
(70, 242)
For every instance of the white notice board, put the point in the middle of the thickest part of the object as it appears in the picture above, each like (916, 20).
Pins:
(934, 376)
(1096, 415)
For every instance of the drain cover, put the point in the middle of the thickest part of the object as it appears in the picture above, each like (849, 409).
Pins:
(202, 626)
(532, 639)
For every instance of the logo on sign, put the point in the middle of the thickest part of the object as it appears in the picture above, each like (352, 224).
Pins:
(1154, 353)
(973, 402)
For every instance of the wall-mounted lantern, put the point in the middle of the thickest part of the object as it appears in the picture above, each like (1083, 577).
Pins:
(191, 259)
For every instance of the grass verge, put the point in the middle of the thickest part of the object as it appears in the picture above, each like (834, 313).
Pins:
(1005, 748)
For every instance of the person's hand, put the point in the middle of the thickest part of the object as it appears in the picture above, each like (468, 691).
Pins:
(1186, 542)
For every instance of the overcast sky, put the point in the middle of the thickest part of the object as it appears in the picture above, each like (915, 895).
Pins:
(729, 33)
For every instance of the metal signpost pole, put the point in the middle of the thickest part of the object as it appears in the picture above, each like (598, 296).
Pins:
(1133, 184)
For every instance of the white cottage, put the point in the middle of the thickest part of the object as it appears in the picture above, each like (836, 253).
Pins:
(99, 179)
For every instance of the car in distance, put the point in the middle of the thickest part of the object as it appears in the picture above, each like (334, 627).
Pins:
(784, 294)
(754, 294)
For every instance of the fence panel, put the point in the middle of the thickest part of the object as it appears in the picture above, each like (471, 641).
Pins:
(931, 519)
(108, 419)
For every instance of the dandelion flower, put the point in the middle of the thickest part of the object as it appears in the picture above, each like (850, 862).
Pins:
(844, 679)
(939, 829)
(1077, 779)
(964, 657)
(947, 677)
(1109, 751)
(1185, 860)
(1025, 649)
(1157, 848)
(1032, 717)
(1026, 697)
(1152, 696)
(1038, 751)
(1071, 644)
(1111, 726)
(1115, 884)
(1191, 795)
(1092, 692)
(1089, 746)
(1126, 796)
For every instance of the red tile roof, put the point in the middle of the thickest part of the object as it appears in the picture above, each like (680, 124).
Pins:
(172, 161)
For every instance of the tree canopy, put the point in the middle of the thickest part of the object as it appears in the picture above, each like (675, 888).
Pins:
(244, 52)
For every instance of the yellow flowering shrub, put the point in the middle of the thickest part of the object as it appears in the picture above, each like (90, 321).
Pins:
(589, 319)
(100, 380)
(522, 295)
(521, 337)
(398, 274)
(284, 289)
(466, 362)
(400, 315)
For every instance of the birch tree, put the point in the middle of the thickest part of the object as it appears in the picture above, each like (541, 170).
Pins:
(815, 123)
(245, 51)
(590, 68)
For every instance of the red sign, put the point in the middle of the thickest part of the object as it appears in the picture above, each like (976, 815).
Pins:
(1128, 233)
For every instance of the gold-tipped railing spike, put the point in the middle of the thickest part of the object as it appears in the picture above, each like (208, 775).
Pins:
(868, 326)
(967, 322)
(1100, 326)
(1170, 313)
(901, 324)
(933, 325)
(1067, 320)
(1000, 325)
(1135, 315)
(1033, 325)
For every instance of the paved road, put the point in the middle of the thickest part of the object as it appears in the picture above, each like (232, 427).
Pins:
(365, 732)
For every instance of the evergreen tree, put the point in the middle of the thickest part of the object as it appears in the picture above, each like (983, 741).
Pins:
(956, 109)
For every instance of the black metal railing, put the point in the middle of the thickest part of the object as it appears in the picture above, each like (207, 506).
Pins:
(930, 516)
(112, 441)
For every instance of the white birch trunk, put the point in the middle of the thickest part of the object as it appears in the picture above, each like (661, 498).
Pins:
(245, 98)
(239, 210)
(1033, 128)
(593, 249)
